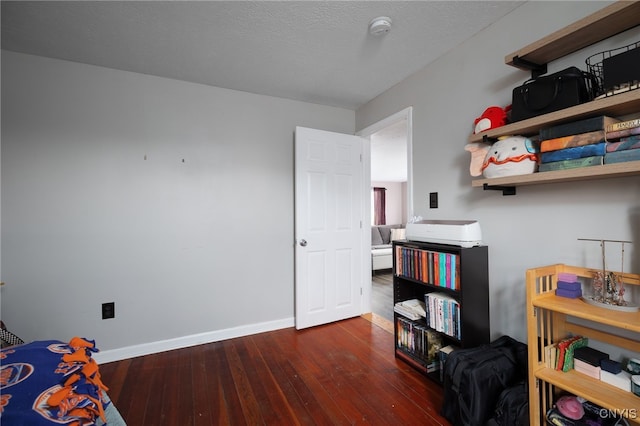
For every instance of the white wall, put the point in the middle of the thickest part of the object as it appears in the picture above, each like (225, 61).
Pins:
(541, 224)
(173, 200)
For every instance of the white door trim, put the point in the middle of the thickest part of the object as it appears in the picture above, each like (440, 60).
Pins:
(405, 114)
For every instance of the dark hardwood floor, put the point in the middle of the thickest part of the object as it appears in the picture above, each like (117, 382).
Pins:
(342, 373)
(382, 294)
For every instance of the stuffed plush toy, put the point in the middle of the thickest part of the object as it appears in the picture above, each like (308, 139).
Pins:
(510, 156)
(478, 153)
(491, 118)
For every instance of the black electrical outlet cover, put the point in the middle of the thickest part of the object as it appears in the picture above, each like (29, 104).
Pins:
(108, 310)
(433, 200)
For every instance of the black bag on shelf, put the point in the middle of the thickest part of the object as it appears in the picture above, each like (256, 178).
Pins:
(475, 377)
(553, 92)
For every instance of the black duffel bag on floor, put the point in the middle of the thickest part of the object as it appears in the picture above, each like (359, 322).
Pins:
(553, 92)
(475, 377)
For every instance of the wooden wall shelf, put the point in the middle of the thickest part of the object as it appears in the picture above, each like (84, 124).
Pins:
(611, 20)
(616, 105)
(629, 168)
(607, 22)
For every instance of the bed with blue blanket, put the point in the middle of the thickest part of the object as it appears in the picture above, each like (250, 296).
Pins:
(54, 383)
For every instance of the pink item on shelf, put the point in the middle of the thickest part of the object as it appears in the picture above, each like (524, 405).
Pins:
(570, 407)
(567, 277)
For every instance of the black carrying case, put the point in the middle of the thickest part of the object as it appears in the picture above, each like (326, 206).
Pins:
(552, 92)
(475, 377)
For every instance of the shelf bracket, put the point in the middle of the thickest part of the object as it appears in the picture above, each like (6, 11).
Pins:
(506, 190)
(536, 69)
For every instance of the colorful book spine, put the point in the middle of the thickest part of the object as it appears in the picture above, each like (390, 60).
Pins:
(434, 268)
(622, 125)
(615, 135)
(630, 142)
(622, 156)
(573, 153)
(448, 269)
(563, 142)
(455, 264)
(594, 160)
(443, 313)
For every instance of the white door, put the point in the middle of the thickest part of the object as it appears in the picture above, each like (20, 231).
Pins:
(328, 227)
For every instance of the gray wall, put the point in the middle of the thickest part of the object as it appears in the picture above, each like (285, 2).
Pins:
(541, 224)
(172, 199)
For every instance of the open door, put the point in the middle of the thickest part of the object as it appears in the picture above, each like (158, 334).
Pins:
(328, 226)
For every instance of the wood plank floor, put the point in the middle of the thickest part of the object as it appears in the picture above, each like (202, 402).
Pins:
(382, 294)
(343, 373)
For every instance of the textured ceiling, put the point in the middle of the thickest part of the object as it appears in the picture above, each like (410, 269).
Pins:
(312, 51)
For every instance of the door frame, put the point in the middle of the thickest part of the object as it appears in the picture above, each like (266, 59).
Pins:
(405, 114)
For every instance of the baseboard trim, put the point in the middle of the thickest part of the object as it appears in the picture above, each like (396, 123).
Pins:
(119, 354)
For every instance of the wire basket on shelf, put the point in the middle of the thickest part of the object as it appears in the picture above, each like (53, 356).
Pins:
(595, 66)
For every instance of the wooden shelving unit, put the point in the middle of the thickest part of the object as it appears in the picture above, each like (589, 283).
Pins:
(613, 19)
(547, 322)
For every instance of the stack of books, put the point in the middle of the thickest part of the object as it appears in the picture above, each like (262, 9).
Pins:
(418, 341)
(413, 309)
(623, 141)
(579, 143)
(560, 356)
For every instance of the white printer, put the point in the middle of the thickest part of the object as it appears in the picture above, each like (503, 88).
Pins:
(463, 233)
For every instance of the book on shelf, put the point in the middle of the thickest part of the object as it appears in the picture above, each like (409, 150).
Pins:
(629, 142)
(576, 127)
(622, 156)
(443, 314)
(579, 139)
(439, 269)
(416, 340)
(573, 153)
(407, 311)
(623, 125)
(617, 134)
(563, 346)
(551, 356)
(594, 160)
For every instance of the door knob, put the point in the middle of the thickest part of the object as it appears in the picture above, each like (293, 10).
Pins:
(303, 243)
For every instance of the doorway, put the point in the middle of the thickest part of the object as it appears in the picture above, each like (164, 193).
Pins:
(389, 167)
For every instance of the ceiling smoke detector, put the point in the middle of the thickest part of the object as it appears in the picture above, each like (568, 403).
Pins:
(380, 26)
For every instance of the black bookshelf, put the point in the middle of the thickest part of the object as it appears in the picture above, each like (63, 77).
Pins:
(461, 316)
